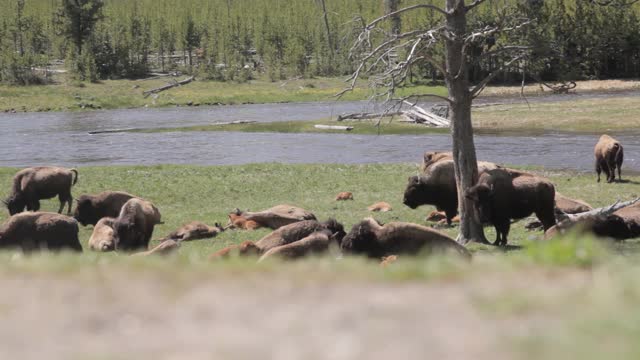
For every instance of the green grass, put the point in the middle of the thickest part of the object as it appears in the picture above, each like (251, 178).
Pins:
(593, 115)
(208, 194)
(66, 95)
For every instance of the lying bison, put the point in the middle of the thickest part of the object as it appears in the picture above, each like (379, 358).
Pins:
(296, 231)
(609, 156)
(275, 217)
(32, 231)
(610, 226)
(374, 240)
(134, 225)
(499, 197)
(103, 237)
(33, 184)
(246, 248)
(438, 187)
(315, 243)
(571, 206)
(91, 208)
(194, 230)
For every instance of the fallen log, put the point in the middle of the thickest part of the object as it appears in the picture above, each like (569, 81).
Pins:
(235, 122)
(168, 86)
(333, 127)
(367, 116)
(113, 131)
(603, 211)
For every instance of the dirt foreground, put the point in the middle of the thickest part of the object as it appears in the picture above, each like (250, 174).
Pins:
(117, 315)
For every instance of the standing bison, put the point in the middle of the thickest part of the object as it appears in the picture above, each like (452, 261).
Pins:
(30, 185)
(500, 196)
(31, 231)
(609, 156)
(134, 225)
(91, 208)
(437, 186)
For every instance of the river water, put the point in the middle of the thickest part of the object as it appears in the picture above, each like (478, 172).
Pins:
(29, 139)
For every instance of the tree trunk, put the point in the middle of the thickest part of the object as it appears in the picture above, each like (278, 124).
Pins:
(464, 152)
(327, 28)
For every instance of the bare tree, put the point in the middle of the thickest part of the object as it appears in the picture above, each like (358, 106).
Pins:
(374, 45)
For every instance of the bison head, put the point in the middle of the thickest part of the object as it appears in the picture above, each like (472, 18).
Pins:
(417, 193)
(336, 229)
(612, 226)
(84, 212)
(481, 196)
(362, 239)
(15, 204)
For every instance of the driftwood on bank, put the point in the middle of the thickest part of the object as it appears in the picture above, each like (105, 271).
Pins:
(414, 114)
(333, 127)
(168, 86)
(603, 211)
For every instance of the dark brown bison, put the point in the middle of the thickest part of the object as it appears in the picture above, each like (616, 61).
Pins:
(296, 231)
(610, 226)
(194, 230)
(499, 197)
(32, 231)
(103, 238)
(91, 208)
(609, 156)
(438, 187)
(275, 217)
(316, 243)
(30, 185)
(134, 225)
(374, 240)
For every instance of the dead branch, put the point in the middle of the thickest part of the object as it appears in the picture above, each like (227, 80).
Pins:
(603, 211)
(478, 88)
(168, 86)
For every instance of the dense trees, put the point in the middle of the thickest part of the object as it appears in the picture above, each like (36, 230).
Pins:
(235, 40)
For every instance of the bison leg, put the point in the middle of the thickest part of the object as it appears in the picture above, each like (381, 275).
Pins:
(450, 215)
(598, 169)
(502, 230)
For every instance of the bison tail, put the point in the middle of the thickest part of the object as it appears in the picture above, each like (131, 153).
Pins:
(75, 179)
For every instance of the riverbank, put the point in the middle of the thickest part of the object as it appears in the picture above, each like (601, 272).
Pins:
(67, 95)
(546, 299)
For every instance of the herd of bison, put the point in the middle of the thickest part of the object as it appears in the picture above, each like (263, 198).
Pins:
(125, 222)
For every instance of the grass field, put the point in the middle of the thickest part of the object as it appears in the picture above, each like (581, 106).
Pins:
(65, 95)
(573, 296)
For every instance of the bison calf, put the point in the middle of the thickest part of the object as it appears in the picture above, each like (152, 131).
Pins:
(274, 218)
(194, 230)
(103, 237)
(33, 184)
(32, 231)
(499, 197)
(609, 156)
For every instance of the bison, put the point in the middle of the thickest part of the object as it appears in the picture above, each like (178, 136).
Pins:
(610, 226)
(246, 248)
(345, 195)
(274, 218)
(33, 231)
(194, 230)
(91, 208)
(103, 237)
(296, 231)
(438, 187)
(571, 206)
(609, 156)
(165, 248)
(134, 225)
(30, 185)
(498, 197)
(380, 207)
(432, 157)
(316, 243)
(375, 240)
